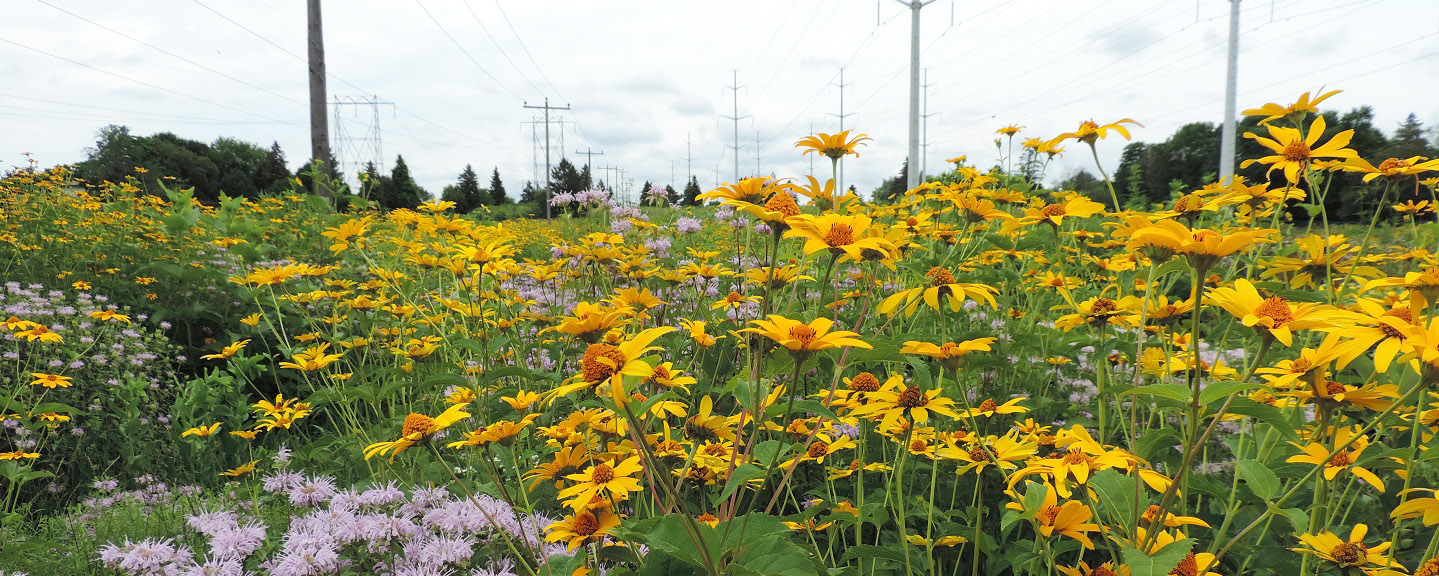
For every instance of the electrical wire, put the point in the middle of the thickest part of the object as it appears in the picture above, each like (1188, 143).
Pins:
(466, 52)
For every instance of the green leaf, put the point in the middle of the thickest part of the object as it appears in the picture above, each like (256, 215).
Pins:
(921, 373)
(1164, 561)
(878, 552)
(1260, 479)
(1177, 392)
(1157, 444)
(1266, 414)
(1116, 492)
(743, 474)
(999, 241)
(1297, 517)
(1218, 390)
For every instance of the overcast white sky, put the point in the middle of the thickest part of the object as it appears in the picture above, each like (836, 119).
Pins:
(643, 75)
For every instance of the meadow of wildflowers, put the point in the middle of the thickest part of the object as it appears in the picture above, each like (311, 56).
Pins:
(982, 377)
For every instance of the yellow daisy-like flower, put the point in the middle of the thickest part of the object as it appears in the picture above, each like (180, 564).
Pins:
(241, 470)
(202, 431)
(1272, 111)
(583, 527)
(838, 234)
(603, 479)
(50, 380)
(832, 146)
(313, 359)
(912, 404)
(227, 351)
(1274, 316)
(1349, 554)
(1295, 152)
(1336, 462)
(799, 337)
(417, 428)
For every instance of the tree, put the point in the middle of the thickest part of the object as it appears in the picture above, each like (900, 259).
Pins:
(239, 164)
(566, 179)
(497, 189)
(672, 195)
(400, 191)
(894, 187)
(587, 177)
(532, 194)
(692, 191)
(466, 194)
(1083, 182)
(274, 174)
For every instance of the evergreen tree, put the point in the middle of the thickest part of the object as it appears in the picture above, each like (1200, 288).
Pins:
(587, 177)
(532, 194)
(466, 194)
(400, 191)
(274, 175)
(692, 190)
(672, 195)
(565, 178)
(497, 189)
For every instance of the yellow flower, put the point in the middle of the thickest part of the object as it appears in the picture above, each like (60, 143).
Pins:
(1347, 555)
(1054, 214)
(521, 401)
(1273, 111)
(110, 316)
(832, 146)
(912, 404)
(989, 408)
(949, 353)
(1089, 131)
(583, 527)
(242, 470)
(202, 431)
(227, 351)
(800, 337)
(1336, 462)
(1274, 316)
(312, 359)
(838, 234)
(417, 428)
(251, 320)
(497, 433)
(1426, 508)
(608, 364)
(49, 380)
(942, 286)
(1294, 151)
(1069, 519)
(1392, 168)
(604, 479)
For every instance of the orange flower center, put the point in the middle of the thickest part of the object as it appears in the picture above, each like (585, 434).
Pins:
(1333, 388)
(1297, 151)
(988, 405)
(1275, 308)
(1052, 211)
(864, 382)
(1341, 459)
(1398, 312)
(782, 203)
(603, 473)
(716, 450)
(950, 349)
(1430, 568)
(918, 445)
(585, 524)
(803, 333)
(1188, 203)
(417, 423)
(817, 449)
(1077, 456)
(734, 298)
(596, 371)
(707, 517)
(1102, 571)
(662, 373)
(912, 397)
(1189, 566)
(979, 453)
(1349, 553)
(1392, 164)
(1103, 305)
(1048, 514)
(839, 235)
(940, 276)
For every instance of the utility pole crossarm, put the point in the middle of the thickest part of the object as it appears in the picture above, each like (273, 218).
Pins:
(547, 109)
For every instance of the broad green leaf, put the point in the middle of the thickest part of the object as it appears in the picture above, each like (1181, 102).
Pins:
(1260, 479)
(1177, 392)
(1266, 414)
(742, 475)
(1161, 563)
(1217, 390)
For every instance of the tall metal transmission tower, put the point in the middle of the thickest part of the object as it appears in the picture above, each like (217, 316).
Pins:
(357, 134)
(548, 185)
(735, 118)
(839, 180)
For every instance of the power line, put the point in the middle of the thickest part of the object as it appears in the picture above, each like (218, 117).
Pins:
(465, 52)
(144, 83)
(524, 48)
(486, 29)
(172, 54)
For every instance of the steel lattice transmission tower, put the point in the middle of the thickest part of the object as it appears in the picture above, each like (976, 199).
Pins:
(358, 142)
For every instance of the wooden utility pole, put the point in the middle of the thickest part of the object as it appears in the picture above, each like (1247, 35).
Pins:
(548, 176)
(319, 119)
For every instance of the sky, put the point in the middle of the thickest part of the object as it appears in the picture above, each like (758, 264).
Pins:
(647, 80)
